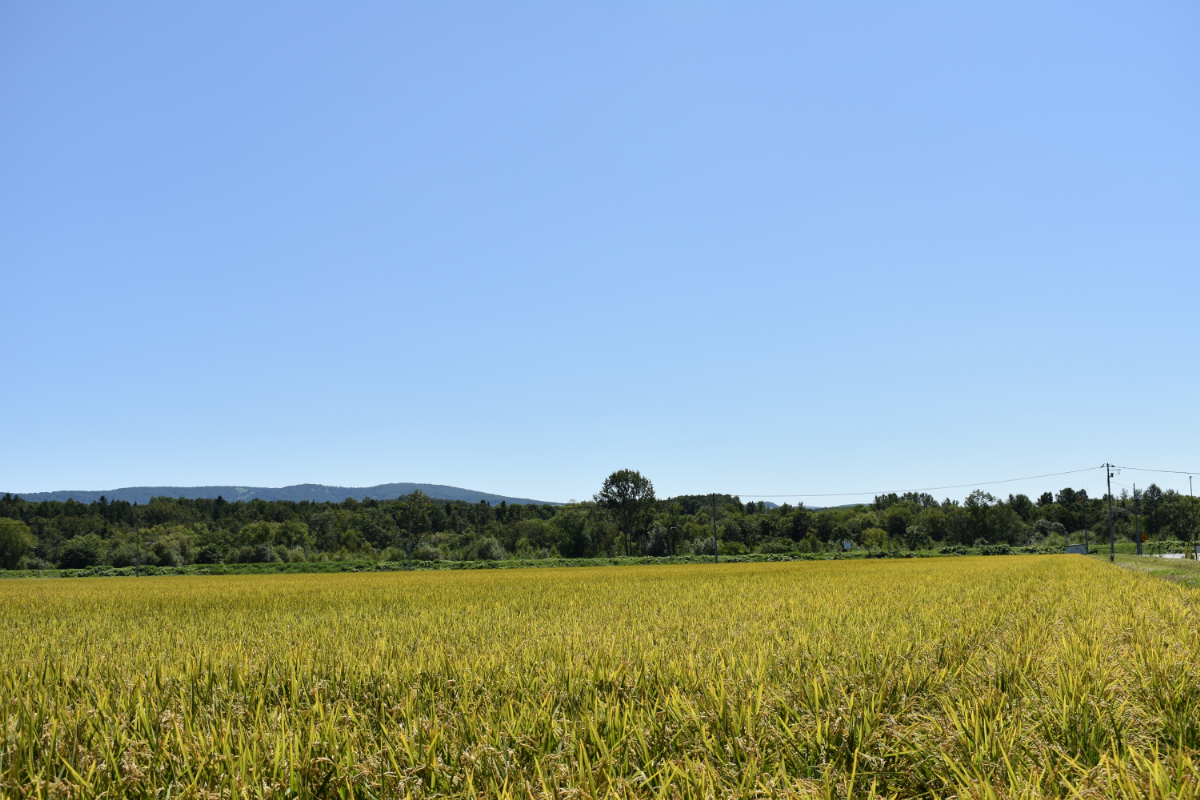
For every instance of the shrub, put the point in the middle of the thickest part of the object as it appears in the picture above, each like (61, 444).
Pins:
(123, 554)
(916, 538)
(263, 554)
(427, 552)
(167, 554)
(485, 548)
(80, 552)
(208, 555)
(875, 539)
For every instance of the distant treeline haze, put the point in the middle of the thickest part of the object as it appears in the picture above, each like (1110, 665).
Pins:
(177, 532)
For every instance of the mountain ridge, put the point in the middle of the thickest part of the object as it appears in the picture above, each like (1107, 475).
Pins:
(313, 492)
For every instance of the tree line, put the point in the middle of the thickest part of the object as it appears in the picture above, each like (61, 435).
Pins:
(623, 518)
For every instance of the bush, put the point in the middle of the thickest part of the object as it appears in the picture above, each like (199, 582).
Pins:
(167, 554)
(657, 542)
(874, 539)
(733, 549)
(258, 554)
(427, 552)
(80, 552)
(995, 550)
(263, 554)
(485, 548)
(124, 554)
(209, 555)
(953, 550)
(779, 546)
(916, 538)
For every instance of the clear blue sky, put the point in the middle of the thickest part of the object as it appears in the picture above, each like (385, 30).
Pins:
(746, 247)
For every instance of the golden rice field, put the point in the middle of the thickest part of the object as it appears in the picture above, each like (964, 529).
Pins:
(1025, 676)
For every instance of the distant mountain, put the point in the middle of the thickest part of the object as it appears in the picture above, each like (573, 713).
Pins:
(313, 492)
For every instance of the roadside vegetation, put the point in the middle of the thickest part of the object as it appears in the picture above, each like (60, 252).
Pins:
(1185, 571)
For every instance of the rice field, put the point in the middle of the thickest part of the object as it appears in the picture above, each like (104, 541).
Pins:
(1026, 676)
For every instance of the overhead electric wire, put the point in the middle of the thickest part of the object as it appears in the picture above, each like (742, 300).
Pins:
(1172, 471)
(932, 488)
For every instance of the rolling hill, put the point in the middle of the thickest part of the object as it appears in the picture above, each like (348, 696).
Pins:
(314, 492)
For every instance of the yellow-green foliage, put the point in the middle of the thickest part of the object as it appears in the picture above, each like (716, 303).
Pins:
(1002, 676)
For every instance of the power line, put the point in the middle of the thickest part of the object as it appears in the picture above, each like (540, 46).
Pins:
(934, 488)
(1172, 471)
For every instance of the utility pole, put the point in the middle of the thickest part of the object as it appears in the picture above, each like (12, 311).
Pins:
(1137, 528)
(714, 506)
(1192, 506)
(1085, 528)
(671, 542)
(1112, 537)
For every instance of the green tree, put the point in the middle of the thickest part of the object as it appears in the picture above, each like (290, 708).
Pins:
(82, 551)
(1023, 506)
(874, 538)
(16, 541)
(629, 497)
(978, 505)
(1151, 505)
(574, 538)
(673, 522)
(915, 538)
(933, 522)
(294, 533)
(896, 520)
(414, 510)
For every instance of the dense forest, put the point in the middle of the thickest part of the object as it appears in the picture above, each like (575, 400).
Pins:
(624, 518)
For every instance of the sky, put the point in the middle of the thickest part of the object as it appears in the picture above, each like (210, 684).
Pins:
(756, 248)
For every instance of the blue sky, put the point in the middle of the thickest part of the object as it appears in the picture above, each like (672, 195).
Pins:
(746, 247)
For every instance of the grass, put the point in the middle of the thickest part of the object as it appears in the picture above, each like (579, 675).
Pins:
(1022, 676)
(1186, 571)
(294, 567)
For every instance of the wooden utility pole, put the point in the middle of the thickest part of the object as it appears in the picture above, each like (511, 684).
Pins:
(1112, 537)
(1137, 528)
(1086, 543)
(1192, 508)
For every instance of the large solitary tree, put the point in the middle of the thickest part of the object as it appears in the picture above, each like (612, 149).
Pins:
(629, 497)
